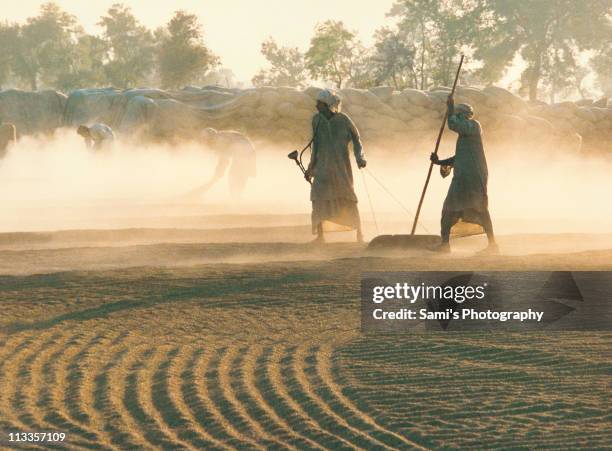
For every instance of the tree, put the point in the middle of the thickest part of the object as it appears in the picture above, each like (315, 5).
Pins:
(547, 34)
(9, 35)
(287, 66)
(335, 54)
(44, 46)
(561, 72)
(438, 29)
(86, 65)
(182, 53)
(602, 65)
(393, 59)
(131, 56)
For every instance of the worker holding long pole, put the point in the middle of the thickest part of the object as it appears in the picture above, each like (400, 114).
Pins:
(467, 198)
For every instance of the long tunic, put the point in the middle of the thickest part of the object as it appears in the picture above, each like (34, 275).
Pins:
(332, 194)
(467, 194)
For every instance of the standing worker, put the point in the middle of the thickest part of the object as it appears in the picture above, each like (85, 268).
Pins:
(332, 194)
(467, 198)
(98, 136)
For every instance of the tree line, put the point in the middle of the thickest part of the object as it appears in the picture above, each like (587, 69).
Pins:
(557, 42)
(421, 48)
(53, 50)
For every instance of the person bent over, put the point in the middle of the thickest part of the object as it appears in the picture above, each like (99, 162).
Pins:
(234, 151)
(97, 136)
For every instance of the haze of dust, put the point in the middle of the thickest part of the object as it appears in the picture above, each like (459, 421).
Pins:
(60, 184)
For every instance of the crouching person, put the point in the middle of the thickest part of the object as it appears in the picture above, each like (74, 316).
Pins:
(97, 136)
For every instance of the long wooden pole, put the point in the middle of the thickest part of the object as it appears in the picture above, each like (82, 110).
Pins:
(431, 165)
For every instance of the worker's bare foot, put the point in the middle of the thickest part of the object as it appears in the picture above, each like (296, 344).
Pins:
(318, 240)
(491, 249)
(359, 237)
(443, 248)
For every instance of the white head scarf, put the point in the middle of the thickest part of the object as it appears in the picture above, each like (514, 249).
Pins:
(465, 108)
(331, 99)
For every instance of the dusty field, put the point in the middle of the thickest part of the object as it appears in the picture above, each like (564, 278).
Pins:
(228, 338)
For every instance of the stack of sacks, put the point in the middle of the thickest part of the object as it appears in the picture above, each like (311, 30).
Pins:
(408, 120)
(592, 123)
(32, 112)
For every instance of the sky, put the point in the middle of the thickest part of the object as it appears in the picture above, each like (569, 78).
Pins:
(233, 29)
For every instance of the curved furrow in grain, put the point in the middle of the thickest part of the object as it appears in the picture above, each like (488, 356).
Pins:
(311, 394)
(10, 355)
(149, 390)
(221, 383)
(167, 402)
(292, 378)
(320, 373)
(194, 390)
(45, 391)
(51, 397)
(260, 389)
(81, 372)
(21, 377)
(107, 395)
(181, 386)
(74, 371)
(29, 380)
(243, 386)
(269, 383)
(26, 375)
(138, 403)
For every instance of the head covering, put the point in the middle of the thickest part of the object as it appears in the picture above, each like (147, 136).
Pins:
(83, 130)
(330, 98)
(465, 108)
(209, 132)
